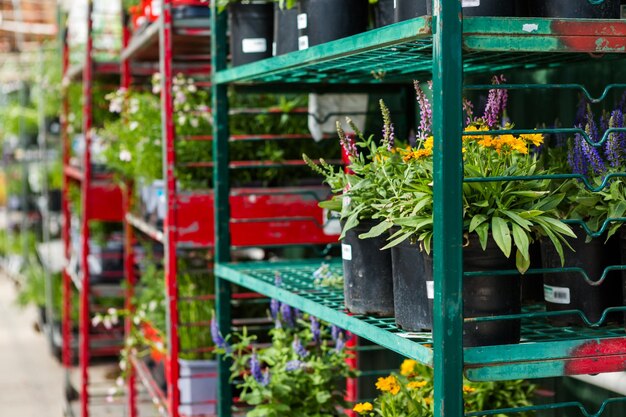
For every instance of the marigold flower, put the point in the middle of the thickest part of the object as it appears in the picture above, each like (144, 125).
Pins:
(467, 389)
(408, 367)
(363, 408)
(416, 384)
(388, 384)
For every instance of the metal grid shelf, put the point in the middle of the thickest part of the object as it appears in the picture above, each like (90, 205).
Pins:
(553, 351)
(403, 51)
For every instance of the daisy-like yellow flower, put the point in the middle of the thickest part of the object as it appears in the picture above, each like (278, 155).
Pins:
(408, 367)
(363, 408)
(534, 138)
(467, 389)
(428, 400)
(416, 384)
(429, 143)
(388, 384)
(473, 128)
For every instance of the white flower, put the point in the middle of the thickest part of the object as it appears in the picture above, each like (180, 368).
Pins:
(107, 323)
(152, 305)
(159, 346)
(116, 105)
(133, 106)
(181, 120)
(192, 88)
(133, 125)
(119, 381)
(112, 391)
(109, 399)
(194, 122)
(96, 320)
(136, 320)
(180, 98)
(112, 311)
(115, 319)
(123, 365)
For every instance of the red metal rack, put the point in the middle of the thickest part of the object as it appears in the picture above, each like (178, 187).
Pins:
(262, 217)
(101, 200)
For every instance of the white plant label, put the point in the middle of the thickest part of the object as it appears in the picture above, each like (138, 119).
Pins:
(302, 21)
(303, 43)
(471, 3)
(395, 4)
(346, 252)
(273, 48)
(332, 226)
(254, 45)
(430, 290)
(556, 295)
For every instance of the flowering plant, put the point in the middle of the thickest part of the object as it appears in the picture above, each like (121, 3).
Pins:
(410, 394)
(512, 212)
(300, 374)
(595, 163)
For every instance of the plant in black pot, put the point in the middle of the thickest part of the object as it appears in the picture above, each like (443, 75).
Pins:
(597, 245)
(321, 21)
(501, 219)
(285, 27)
(251, 25)
(368, 287)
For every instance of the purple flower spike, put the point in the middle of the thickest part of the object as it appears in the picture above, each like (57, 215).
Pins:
(496, 102)
(591, 153)
(426, 112)
(340, 344)
(274, 308)
(216, 335)
(299, 349)
(287, 314)
(278, 279)
(266, 378)
(315, 329)
(294, 365)
(255, 369)
(335, 332)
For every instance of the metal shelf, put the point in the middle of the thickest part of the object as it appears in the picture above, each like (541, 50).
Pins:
(552, 351)
(145, 227)
(75, 72)
(403, 51)
(159, 398)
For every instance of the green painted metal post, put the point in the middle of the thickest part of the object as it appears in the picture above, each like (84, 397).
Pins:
(448, 214)
(221, 191)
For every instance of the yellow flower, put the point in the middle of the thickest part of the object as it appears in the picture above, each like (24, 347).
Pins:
(534, 138)
(467, 389)
(363, 408)
(416, 384)
(473, 128)
(428, 400)
(429, 143)
(408, 367)
(389, 384)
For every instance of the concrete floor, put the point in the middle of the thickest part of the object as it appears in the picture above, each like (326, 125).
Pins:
(31, 380)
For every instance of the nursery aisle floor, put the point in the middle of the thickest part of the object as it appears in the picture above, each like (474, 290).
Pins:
(30, 378)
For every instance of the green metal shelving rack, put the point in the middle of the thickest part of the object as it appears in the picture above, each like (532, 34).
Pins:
(446, 47)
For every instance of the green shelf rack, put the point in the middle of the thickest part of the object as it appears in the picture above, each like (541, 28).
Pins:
(445, 47)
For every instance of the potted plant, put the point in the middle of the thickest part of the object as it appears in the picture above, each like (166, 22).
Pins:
(321, 21)
(285, 27)
(368, 287)
(251, 24)
(410, 392)
(501, 219)
(591, 296)
(300, 373)
(383, 12)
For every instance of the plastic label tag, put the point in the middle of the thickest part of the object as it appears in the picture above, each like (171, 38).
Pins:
(332, 226)
(556, 295)
(303, 42)
(430, 290)
(273, 48)
(302, 21)
(395, 4)
(254, 45)
(346, 252)
(471, 3)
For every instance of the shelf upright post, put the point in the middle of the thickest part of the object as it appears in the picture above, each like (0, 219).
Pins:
(221, 189)
(170, 224)
(448, 214)
(129, 255)
(66, 317)
(85, 322)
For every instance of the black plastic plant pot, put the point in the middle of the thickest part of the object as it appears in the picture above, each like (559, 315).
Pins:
(368, 285)
(384, 13)
(486, 8)
(54, 200)
(409, 9)
(532, 284)
(580, 9)
(285, 30)
(321, 21)
(484, 295)
(251, 31)
(570, 291)
(190, 12)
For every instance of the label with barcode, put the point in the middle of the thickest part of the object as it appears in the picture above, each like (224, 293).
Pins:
(556, 295)
(302, 21)
(253, 45)
(430, 290)
(346, 252)
(303, 43)
(471, 3)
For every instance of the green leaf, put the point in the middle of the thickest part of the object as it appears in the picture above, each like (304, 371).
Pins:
(377, 230)
(521, 262)
(520, 237)
(351, 222)
(483, 234)
(397, 240)
(322, 397)
(525, 224)
(483, 204)
(477, 220)
(332, 205)
(501, 235)
(558, 226)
